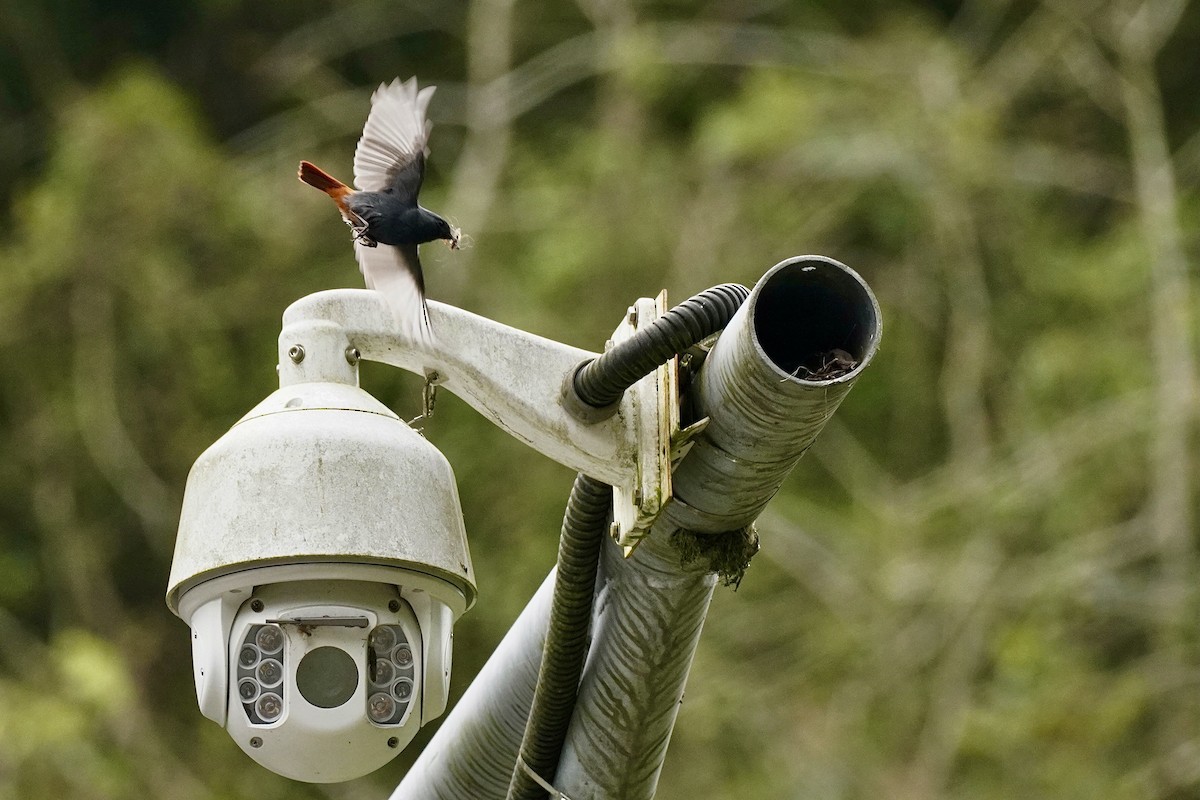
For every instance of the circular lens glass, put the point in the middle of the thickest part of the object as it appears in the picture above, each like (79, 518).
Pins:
(381, 707)
(248, 656)
(383, 639)
(270, 672)
(382, 672)
(327, 677)
(269, 638)
(402, 690)
(403, 656)
(269, 707)
(248, 689)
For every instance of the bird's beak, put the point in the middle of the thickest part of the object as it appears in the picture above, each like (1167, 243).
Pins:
(455, 235)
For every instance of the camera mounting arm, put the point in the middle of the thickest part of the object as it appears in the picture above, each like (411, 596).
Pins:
(514, 378)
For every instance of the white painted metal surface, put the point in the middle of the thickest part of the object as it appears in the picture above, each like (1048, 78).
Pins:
(321, 472)
(512, 377)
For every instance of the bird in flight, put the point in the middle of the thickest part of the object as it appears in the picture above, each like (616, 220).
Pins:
(383, 213)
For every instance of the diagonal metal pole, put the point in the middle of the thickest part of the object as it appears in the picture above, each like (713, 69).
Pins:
(762, 416)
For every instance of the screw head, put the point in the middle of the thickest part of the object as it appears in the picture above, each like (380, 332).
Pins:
(393, 742)
(255, 741)
(296, 353)
(256, 605)
(393, 606)
(352, 355)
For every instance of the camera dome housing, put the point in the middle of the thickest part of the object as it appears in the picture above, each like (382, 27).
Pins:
(321, 488)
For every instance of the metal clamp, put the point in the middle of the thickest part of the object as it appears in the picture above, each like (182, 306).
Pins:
(555, 794)
(654, 414)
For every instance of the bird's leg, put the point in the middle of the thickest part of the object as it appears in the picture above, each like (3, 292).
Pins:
(358, 228)
(429, 394)
(428, 397)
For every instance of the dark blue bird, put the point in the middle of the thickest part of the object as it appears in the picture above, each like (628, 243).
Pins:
(386, 219)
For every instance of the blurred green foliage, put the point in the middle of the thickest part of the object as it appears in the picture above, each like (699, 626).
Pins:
(980, 583)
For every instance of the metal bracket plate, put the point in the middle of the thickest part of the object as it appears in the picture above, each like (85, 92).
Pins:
(654, 411)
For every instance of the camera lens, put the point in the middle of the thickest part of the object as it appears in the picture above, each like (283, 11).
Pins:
(269, 707)
(327, 677)
(382, 672)
(269, 638)
(270, 672)
(383, 639)
(402, 655)
(381, 707)
(402, 690)
(248, 656)
(248, 689)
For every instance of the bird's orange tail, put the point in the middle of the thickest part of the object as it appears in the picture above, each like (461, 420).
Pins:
(320, 179)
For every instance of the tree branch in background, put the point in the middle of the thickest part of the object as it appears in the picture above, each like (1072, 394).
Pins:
(488, 118)
(1172, 469)
(97, 410)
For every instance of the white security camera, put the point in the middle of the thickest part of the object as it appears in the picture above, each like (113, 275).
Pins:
(321, 563)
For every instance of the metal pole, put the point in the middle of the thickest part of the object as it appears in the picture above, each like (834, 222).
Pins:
(762, 417)
(761, 392)
(649, 616)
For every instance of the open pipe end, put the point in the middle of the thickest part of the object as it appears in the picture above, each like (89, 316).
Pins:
(815, 320)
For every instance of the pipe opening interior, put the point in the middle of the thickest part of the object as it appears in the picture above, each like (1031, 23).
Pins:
(808, 310)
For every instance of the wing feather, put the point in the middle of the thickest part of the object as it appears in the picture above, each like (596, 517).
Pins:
(395, 141)
(396, 273)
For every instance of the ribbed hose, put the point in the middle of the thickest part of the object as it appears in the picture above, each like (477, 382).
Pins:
(584, 526)
(604, 380)
(598, 384)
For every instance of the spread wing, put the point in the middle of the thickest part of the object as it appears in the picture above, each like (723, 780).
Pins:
(396, 273)
(395, 140)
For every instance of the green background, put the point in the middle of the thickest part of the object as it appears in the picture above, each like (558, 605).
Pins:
(980, 583)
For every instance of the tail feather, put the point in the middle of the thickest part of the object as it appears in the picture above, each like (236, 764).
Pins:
(318, 178)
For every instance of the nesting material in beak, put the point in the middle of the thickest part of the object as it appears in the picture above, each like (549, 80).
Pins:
(455, 235)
